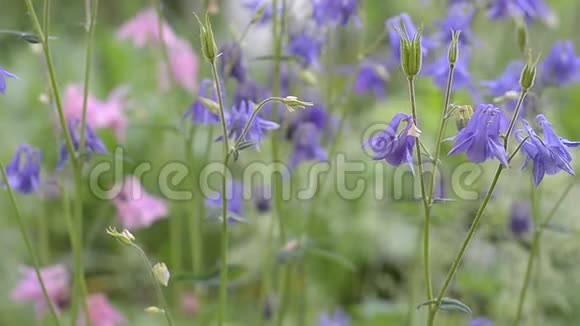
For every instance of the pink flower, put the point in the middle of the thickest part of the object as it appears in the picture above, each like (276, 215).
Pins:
(56, 279)
(101, 312)
(135, 207)
(143, 30)
(189, 303)
(184, 66)
(107, 114)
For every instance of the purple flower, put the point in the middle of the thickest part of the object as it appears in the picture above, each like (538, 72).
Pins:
(247, 92)
(316, 115)
(480, 138)
(507, 82)
(239, 116)
(307, 145)
(3, 75)
(24, 170)
(333, 12)
(93, 144)
(232, 62)
(199, 113)
(263, 199)
(529, 9)
(391, 146)
(234, 196)
(395, 40)
(307, 47)
(372, 77)
(439, 71)
(550, 155)
(561, 67)
(520, 219)
(480, 321)
(459, 18)
(338, 318)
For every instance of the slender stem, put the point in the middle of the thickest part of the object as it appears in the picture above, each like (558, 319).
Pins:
(224, 249)
(257, 110)
(425, 200)
(557, 205)
(162, 44)
(158, 290)
(92, 5)
(195, 220)
(28, 243)
(43, 235)
(479, 214)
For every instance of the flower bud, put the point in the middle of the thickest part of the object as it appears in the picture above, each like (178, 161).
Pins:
(260, 13)
(463, 115)
(411, 52)
(154, 310)
(161, 273)
(521, 34)
(208, 46)
(528, 75)
(292, 102)
(453, 54)
(211, 105)
(124, 237)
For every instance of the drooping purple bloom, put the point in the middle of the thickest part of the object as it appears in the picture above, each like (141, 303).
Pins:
(372, 77)
(262, 198)
(480, 138)
(316, 115)
(255, 5)
(509, 81)
(198, 112)
(307, 145)
(549, 156)
(459, 18)
(561, 67)
(529, 9)
(393, 146)
(520, 219)
(247, 92)
(232, 62)
(307, 47)
(3, 75)
(480, 321)
(235, 199)
(239, 116)
(338, 318)
(439, 72)
(395, 40)
(24, 170)
(335, 12)
(93, 144)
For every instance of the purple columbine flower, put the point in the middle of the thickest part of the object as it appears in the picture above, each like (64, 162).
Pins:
(316, 115)
(338, 318)
(459, 18)
(198, 112)
(262, 198)
(372, 77)
(247, 92)
(3, 75)
(307, 47)
(24, 170)
(509, 81)
(93, 144)
(550, 155)
(395, 40)
(232, 62)
(332, 12)
(393, 146)
(235, 198)
(307, 145)
(239, 116)
(439, 72)
(520, 219)
(480, 321)
(561, 67)
(529, 9)
(480, 138)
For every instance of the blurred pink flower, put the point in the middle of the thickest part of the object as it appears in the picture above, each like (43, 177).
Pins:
(184, 66)
(107, 114)
(189, 303)
(101, 312)
(135, 207)
(143, 30)
(57, 281)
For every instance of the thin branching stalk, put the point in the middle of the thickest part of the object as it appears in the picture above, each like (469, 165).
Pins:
(28, 243)
(93, 6)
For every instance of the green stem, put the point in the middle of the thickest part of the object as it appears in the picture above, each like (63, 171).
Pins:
(164, 51)
(425, 200)
(195, 220)
(43, 235)
(92, 5)
(257, 110)
(224, 244)
(28, 243)
(156, 284)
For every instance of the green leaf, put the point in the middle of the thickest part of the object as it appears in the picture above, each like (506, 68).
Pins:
(448, 304)
(332, 257)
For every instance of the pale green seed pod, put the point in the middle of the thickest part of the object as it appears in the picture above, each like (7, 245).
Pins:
(453, 53)
(528, 76)
(462, 116)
